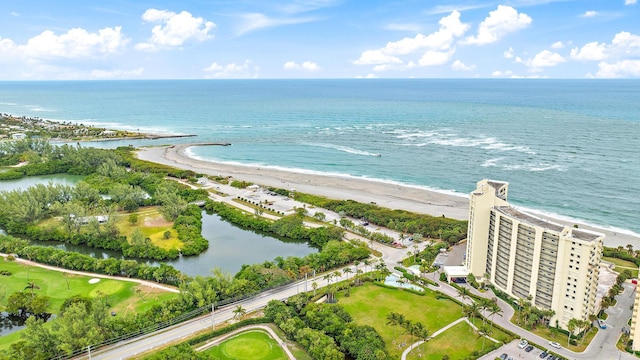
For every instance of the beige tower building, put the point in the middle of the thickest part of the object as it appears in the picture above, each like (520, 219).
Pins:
(524, 255)
(635, 318)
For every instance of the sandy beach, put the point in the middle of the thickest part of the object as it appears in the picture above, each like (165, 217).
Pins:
(393, 196)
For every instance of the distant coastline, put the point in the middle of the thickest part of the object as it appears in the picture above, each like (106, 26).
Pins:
(21, 127)
(393, 196)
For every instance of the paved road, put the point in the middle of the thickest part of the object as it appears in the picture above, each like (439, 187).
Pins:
(272, 333)
(602, 347)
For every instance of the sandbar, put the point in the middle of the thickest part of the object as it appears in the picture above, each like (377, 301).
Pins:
(393, 196)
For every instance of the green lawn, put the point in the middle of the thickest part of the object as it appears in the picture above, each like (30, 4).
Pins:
(370, 305)
(248, 345)
(458, 342)
(622, 265)
(121, 295)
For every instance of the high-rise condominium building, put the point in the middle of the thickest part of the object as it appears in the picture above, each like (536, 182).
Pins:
(526, 256)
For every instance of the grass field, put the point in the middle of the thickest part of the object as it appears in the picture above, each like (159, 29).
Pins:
(370, 305)
(622, 265)
(150, 222)
(248, 345)
(458, 342)
(123, 296)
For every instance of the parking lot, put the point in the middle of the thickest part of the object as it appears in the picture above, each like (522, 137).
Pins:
(511, 349)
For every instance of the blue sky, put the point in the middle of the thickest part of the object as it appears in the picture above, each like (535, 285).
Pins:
(73, 39)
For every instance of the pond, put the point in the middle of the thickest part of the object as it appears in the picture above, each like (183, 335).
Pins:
(28, 181)
(12, 323)
(229, 248)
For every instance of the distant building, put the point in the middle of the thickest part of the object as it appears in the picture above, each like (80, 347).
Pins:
(523, 255)
(18, 136)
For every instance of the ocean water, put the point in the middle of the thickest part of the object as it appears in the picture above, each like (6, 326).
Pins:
(567, 147)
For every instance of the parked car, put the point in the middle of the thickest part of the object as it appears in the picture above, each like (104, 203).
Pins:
(523, 344)
(555, 344)
(504, 356)
(543, 355)
(528, 348)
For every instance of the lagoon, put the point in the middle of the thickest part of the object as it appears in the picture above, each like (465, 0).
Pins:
(229, 246)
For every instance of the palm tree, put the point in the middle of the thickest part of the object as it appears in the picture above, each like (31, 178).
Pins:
(464, 293)
(347, 271)
(314, 285)
(328, 278)
(494, 310)
(630, 249)
(395, 319)
(239, 312)
(571, 326)
(471, 311)
(32, 286)
(366, 263)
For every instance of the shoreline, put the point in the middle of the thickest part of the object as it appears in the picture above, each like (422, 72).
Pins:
(392, 196)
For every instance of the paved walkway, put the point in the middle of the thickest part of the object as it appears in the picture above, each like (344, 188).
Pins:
(603, 345)
(249, 328)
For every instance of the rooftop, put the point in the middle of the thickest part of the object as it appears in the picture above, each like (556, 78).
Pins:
(536, 221)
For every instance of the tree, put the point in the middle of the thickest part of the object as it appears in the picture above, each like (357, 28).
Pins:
(37, 341)
(320, 216)
(571, 326)
(314, 286)
(133, 218)
(347, 271)
(630, 249)
(394, 319)
(31, 285)
(239, 312)
(464, 293)
(77, 329)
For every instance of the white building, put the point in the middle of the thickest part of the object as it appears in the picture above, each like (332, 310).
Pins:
(524, 255)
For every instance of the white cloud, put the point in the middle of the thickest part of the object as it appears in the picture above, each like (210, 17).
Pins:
(500, 22)
(593, 51)
(174, 29)
(232, 70)
(256, 21)
(460, 66)
(306, 66)
(626, 42)
(435, 47)
(544, 59)
(623, 68)
(368, 76)
(75, 43)
(499, 73)
(13, 13)
(374, 57)
(630, 2)
(508, 54)
(557, 45)
(116, 74)
(434, 58)
(589, 13)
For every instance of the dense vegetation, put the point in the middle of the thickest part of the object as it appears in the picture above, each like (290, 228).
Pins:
(450, 230)
(325, 331)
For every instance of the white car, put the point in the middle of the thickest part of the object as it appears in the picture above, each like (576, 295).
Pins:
(523, 344)
(555, 344)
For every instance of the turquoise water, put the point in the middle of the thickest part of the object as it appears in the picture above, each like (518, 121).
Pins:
(392, 280)
(568, 147)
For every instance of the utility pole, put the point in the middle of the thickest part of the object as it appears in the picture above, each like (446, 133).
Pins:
(89, 350)
(213, 316)
(305, 282)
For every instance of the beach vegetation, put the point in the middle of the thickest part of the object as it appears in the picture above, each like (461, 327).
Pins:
(431, 227)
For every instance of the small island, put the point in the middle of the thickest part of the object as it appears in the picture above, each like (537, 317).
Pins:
(22, 127)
